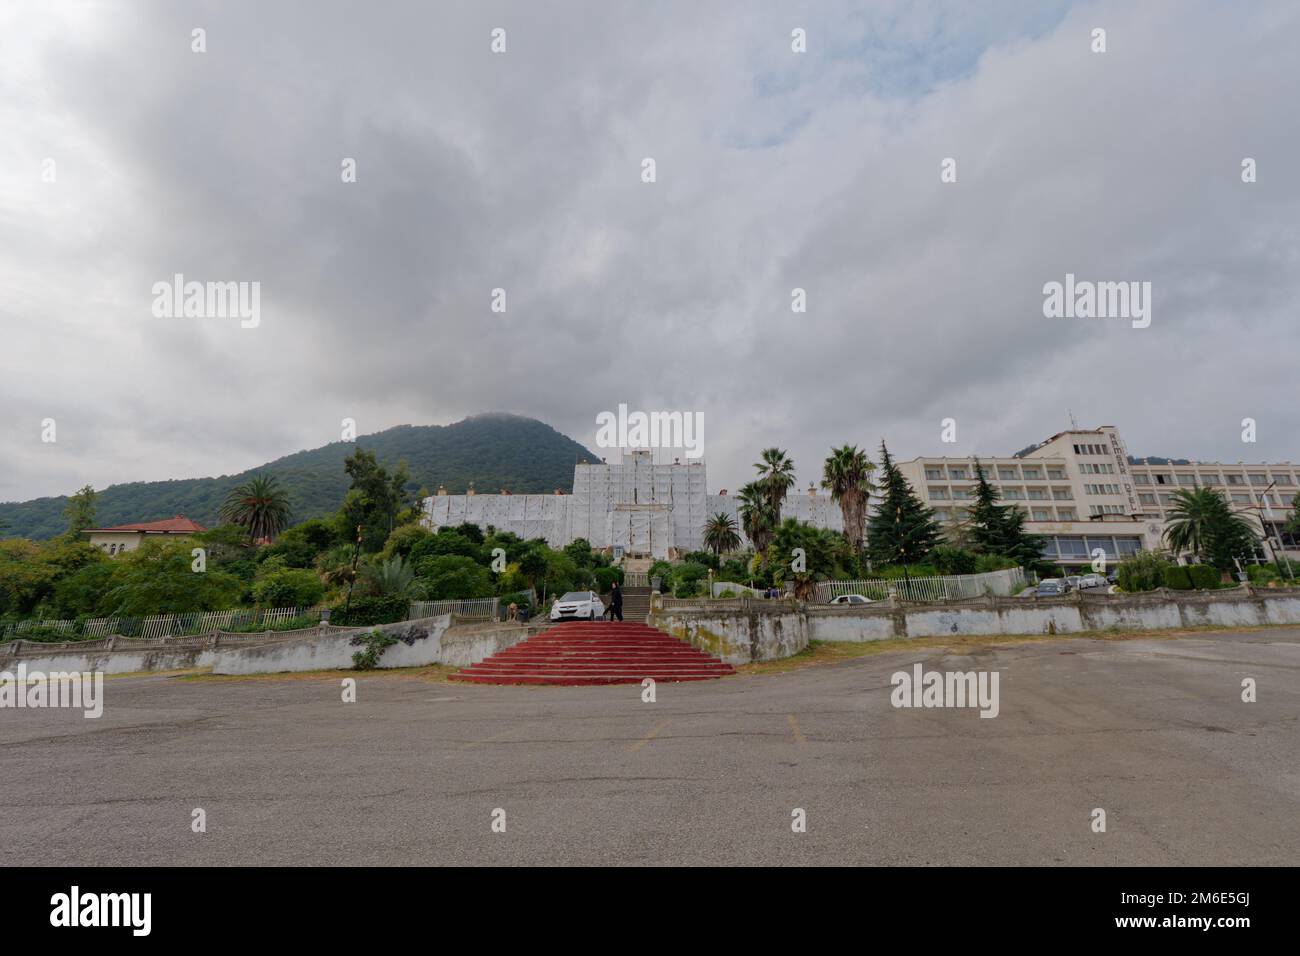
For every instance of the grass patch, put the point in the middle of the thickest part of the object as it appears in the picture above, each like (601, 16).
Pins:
(831, 652)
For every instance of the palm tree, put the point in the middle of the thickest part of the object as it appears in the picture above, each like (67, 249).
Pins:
(721, 533)
(394, 576)
(756, 517)
(260, 505)
(776, 475)
(1201, 521)
(847, 475)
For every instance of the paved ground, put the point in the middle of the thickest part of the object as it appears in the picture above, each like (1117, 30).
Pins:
(1154, 731)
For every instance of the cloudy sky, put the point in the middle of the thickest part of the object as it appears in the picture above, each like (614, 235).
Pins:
(523, 170)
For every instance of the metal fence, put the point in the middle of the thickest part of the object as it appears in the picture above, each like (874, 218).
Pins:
(951, 587)
(485, 608)
(636, 579)
(157, 626)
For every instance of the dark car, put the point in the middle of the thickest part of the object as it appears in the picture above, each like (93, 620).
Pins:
(1051, 587)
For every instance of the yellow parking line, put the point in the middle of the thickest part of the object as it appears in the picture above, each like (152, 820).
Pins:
(799, 738)
(654, 732)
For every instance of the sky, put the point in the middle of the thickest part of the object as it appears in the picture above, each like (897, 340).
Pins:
(126, 157)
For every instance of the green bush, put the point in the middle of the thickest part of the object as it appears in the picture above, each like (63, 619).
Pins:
(365, 611)
(1143, 571)
(605, 578)
(373, 646)
(950, 560)
(1203, 576)
(1175, 577)
(1262, 574)
(290, 587)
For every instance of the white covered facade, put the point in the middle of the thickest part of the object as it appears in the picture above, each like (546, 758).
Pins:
(636, 505)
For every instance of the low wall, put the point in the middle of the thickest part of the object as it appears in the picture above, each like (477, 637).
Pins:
(434, 640)
(741, 633)
(761, 632)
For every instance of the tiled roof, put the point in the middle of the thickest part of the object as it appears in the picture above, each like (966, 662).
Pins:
(177, 525)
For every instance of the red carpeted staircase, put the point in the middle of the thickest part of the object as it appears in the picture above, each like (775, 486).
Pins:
(595, 652)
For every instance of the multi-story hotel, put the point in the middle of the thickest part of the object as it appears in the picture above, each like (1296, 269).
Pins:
(1078, 488)
(1081, 492)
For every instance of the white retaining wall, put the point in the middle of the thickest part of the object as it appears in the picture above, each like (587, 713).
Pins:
(754, 631)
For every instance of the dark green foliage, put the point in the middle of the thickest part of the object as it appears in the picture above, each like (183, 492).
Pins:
(1203, 576)
(373, 646)
(605, 578)
(366, 611)
(494, 451)
(902, 530)
(1175, 577)
(950, 560)
(449, 576)
(289, 587)
(1143, 571)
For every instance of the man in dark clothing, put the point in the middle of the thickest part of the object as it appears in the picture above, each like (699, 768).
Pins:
(616, 602)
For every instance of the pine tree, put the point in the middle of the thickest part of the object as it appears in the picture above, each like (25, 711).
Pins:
(902, 530)
(1000, 529)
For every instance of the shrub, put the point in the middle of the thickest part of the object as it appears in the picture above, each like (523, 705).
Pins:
(366, 611)
(605, 578)
(950, 560)
(1175, 577)
(1143, 571)
(1261, 574)
(290, 587)
(373, 646)
(1203, 576)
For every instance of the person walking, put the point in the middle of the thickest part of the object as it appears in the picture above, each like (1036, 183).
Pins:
(616, 602)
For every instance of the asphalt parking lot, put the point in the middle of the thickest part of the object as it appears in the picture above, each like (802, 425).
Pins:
(1152, 731)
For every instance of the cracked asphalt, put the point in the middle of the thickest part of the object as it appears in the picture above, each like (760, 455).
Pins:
(1152, 731)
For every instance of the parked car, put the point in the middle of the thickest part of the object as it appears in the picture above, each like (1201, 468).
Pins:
(1051, 587)
(578, 605)
(1073, 582)
(1092, 581)
(852, 599)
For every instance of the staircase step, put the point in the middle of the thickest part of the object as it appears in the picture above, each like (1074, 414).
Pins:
(596, 652)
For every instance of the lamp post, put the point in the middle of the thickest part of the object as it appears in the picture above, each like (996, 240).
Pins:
(356, 553)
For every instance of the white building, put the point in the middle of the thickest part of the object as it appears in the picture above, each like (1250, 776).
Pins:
(1078, 490)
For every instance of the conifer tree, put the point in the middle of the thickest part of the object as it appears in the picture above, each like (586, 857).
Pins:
(902, 530)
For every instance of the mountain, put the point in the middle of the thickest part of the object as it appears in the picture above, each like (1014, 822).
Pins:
(494, 451)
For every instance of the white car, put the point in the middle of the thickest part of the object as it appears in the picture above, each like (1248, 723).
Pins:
(1089, 581)
(852, 599)
(579, 605)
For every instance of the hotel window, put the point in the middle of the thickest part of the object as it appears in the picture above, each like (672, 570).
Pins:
(1013, 494)
(1032, 474)
(933, 474)
(1128, 546)
(1071, 547)
(1282, 479)
(1105, 545)
(1260, 480)
(960, 494)
(1210, 480)
(1066, 514)
(938, 494)
(1007, 474)
(1242, 499)
(1037, 494)
(959, 473)
(1141, 479)
(1042, 514)
(941, 514)
(1236, 480)
(1056, 474)
(1163, 479)
(1187, 481)
(1166, 499)
(1147, 499)
(1062, 494)
(1105, 510)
